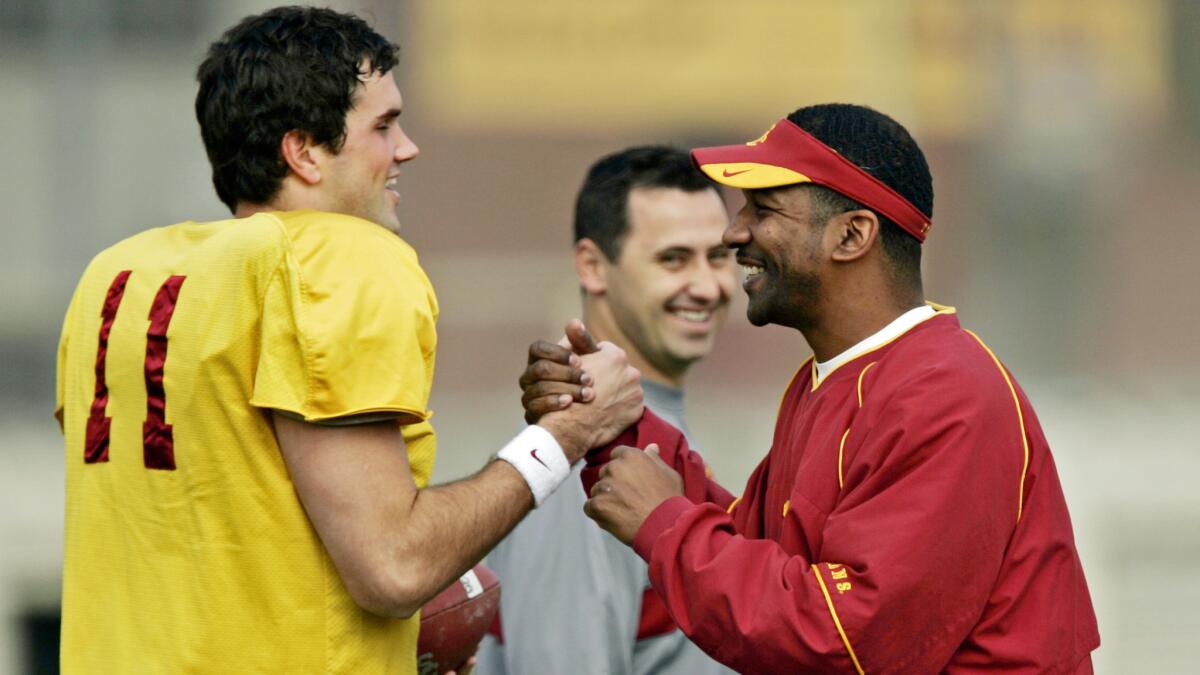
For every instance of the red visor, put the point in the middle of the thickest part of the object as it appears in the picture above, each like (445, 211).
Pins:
(787, 155)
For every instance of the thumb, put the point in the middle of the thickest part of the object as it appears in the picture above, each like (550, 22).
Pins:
(581, 340)
(572, 357)
(652, 449)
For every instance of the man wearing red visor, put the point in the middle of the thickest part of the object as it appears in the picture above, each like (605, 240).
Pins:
(908, 517)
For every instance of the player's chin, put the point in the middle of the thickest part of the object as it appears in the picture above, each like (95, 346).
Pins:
(758, 313)
(688, 349)
(387, 217)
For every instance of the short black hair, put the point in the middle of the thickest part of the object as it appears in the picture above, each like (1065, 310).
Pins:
(882, 147)
(601, 209)
(290, 68)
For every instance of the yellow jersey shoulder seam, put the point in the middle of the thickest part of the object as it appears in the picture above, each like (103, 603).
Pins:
(302, 293)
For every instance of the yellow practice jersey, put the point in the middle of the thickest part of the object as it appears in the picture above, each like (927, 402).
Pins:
(187, 549)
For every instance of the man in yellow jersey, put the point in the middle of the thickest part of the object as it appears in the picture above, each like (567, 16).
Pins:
(245, 401)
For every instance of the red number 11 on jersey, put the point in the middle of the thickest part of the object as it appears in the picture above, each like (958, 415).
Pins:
(158, 443)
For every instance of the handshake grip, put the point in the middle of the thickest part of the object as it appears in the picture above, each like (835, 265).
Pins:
(585, 392)
(617, 401)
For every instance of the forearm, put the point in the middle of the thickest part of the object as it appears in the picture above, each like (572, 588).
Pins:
(449, 528)
(747, 603)
(394, 545)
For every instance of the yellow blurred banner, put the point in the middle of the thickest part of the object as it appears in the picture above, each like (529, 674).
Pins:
(618, 65)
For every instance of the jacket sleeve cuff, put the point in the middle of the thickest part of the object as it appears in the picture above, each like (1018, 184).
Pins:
(662, 517)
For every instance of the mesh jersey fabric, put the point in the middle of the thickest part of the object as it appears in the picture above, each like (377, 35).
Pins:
(212, 565)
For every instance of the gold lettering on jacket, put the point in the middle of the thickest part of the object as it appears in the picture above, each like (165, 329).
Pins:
(838, 571)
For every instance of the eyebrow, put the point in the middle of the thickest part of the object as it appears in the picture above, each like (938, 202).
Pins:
(389, 115)
(757, 196)
(764, 197)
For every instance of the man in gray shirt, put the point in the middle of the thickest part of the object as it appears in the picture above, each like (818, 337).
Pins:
(656, 281)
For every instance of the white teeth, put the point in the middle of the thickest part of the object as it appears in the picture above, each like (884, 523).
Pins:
(391, 181)
(693, 315)
(751, 270)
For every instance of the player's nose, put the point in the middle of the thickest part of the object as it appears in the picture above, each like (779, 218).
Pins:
(406, 149)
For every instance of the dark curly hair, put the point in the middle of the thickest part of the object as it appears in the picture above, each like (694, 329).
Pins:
(601, 209)
(883, 148)
(291, 68)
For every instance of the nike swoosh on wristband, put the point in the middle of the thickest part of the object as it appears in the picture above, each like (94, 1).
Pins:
(533, 453)
(730, 174)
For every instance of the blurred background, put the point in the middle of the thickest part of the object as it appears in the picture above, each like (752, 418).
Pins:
(1064, 139)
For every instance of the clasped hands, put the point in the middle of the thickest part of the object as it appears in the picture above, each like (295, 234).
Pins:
(586, 392)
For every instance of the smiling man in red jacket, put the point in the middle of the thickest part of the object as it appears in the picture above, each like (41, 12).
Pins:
(908, 517)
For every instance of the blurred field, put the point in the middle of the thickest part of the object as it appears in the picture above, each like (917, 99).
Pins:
(1064, 139)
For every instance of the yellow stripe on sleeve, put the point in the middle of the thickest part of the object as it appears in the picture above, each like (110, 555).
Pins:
(1020, 419)
(836, 621)
(841, 447)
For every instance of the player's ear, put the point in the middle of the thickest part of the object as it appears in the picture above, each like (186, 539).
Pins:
(591, 266)
(300, 154)
(856, 233)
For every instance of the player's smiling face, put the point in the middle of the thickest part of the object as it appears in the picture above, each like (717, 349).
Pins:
(780, 252)
(669, 289)
(361, 178)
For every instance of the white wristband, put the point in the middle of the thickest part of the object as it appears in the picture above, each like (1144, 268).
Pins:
(536, 454)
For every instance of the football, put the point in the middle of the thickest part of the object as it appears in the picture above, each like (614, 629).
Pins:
(455, 621)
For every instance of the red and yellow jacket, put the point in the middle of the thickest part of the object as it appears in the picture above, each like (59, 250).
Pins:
(907, 519)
